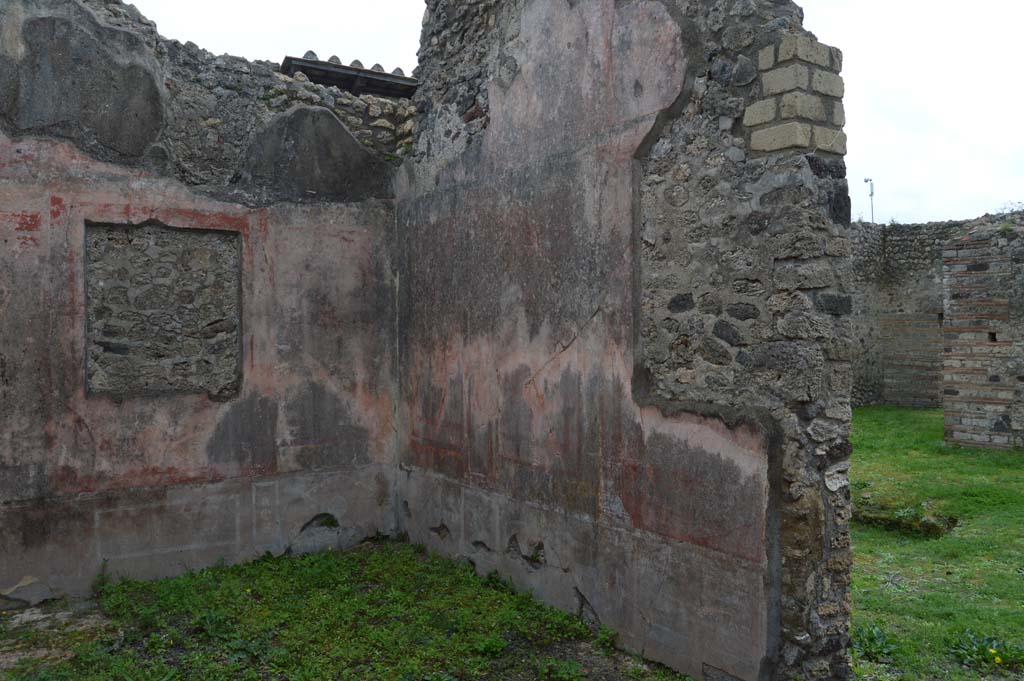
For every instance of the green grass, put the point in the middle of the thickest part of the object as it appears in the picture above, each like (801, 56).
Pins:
(932, 608)
(384, 610)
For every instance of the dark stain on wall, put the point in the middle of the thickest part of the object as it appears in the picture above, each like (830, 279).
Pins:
(42, 524)
(553, 269)
(22, 481)
(246, 435)
(515, 426)
(322, 432)
(688, 494)
(307, 153)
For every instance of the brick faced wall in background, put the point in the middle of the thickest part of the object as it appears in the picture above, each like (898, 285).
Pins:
(924, 298)
(897, 312)
(983, 365)
(911, 358)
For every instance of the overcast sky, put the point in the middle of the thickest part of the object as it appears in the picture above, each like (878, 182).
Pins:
(935, 88)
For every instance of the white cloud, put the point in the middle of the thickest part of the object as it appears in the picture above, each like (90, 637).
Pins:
(933, 91)
(934, 87)
(378, 31)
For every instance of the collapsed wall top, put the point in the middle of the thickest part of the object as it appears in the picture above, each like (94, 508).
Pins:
(97, 73)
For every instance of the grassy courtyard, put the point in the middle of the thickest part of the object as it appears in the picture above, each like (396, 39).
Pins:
(384, 610)
(932, 602)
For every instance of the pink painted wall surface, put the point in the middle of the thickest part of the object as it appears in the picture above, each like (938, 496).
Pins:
(156, 484)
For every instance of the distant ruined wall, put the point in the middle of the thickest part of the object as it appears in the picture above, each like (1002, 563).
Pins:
(984, 334)
(866, 272)
(194, 345)
(624, 346)
(898, 312)
(901, 303)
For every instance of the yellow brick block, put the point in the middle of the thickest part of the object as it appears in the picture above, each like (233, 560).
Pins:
(786, 79)
(785, 136)
(760, 113)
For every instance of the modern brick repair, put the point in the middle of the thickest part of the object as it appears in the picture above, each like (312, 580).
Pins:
(578, 312)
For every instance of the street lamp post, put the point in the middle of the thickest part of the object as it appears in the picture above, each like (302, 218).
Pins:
(868, 180)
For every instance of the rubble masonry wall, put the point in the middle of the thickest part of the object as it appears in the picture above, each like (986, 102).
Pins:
(624, 346)
(594, 333)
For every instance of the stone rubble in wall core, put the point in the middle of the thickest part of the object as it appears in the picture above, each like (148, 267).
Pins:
(208, 110)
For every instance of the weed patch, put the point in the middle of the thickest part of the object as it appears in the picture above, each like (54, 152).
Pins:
(912, 520)
(872, 643)
(383, 611)
(552, 669)
(929, 603)
(987, 653)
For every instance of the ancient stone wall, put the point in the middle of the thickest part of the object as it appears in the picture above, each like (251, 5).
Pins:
(190, 370)
(599, 341)
(383, 125)
(900, 307)
(624, 347)
(184, 113)
(984, 334)
(898, 312)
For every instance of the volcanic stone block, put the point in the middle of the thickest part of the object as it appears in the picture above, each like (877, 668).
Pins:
(163, 310)
(839, 114)
(760, 112)
(804, 48)
(827, 139)
(786, 79)
(785, 136)
(802, 105)
(828, 84)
